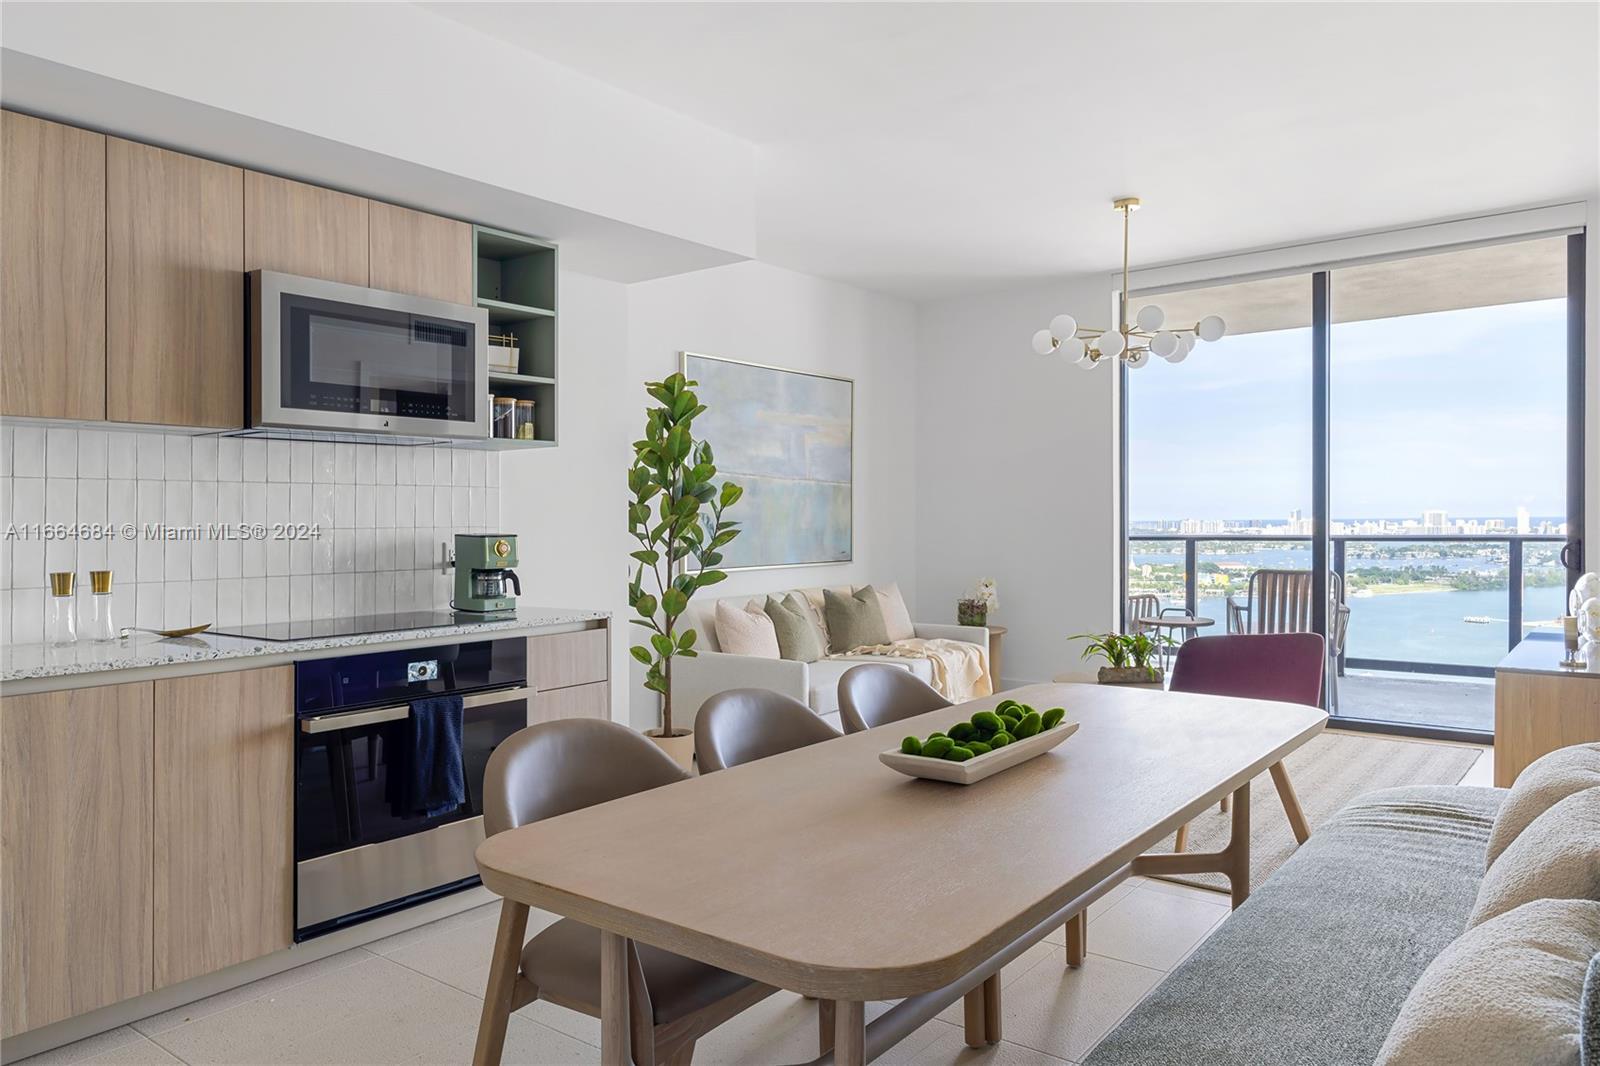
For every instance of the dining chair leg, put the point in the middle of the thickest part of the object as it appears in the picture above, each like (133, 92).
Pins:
(1183, 838)
(683, 1056)
(825, 1024)
(1077, 938)
(1291, 803)
(850, 1033)
(614, 1043)
(503, 966)
(1227, 804)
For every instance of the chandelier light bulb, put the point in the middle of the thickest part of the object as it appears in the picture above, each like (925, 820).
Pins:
(1150, 318)
(1211, 328)
(1063, 327)
(1137, 358)
(1043, 343)
(1185, 346)
(1165, 344)
(1088, 360)
(1072, 349)
(1110, 343)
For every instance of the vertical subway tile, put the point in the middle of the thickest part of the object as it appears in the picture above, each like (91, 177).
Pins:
(92, 457)
(230, 459)
(322, 552)
(443, 465)
(366, 463)
(383, 591)
(344, 594)
(152, 456)
(122, 455)
(302, 465)
(322, 596)
(229, 596)
(383, 465)
(203, 504)
(27, 615)
(278, 599)
(300, 561)
(322, 505)
(344, 464)
(322, 461)
(202, 602)
(61, 453)
(27, 451)
(300, 597)
(299, 511)
(178, 458)
(364, 592)
(422, 466)
(366, 549)
(228, 558)
(279, 465)
(149, 604)
(6, 445)
(252, 459)
(252, 600)
(403, 466)
(175, 605)
(205, 458)
(443, 496)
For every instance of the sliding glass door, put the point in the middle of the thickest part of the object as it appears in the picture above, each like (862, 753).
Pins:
(1405, 433)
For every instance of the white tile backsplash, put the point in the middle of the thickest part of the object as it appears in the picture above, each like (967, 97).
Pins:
(381, 511)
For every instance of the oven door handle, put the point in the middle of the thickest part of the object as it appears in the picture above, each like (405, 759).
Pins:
(328, 723)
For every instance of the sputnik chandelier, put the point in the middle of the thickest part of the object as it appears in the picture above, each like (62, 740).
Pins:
(1134, 343)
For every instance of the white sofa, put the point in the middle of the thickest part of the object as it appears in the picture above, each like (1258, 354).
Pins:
(697, 679)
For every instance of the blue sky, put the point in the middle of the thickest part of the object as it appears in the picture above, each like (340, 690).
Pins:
(1461, 410)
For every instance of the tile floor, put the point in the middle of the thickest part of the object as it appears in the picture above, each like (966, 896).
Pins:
(414, 998)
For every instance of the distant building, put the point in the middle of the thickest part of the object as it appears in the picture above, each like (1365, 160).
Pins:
(1435, 523)
(1524, 524)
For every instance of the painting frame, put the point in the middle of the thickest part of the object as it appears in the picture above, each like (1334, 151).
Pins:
(684, 357)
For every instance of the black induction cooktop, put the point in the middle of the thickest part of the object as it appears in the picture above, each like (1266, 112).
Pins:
(358, 625)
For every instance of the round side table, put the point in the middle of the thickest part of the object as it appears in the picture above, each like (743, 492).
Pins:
(995, 634)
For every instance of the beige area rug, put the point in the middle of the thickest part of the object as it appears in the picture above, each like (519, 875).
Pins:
(1327, 773)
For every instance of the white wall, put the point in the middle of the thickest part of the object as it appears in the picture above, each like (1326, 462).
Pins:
(1016, 472)
(765, 314)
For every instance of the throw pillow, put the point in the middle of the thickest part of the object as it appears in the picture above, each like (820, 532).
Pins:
(854, 621)
(1545, 782)
(896, 619)
(798, 636)
(1512, 983)
(746, 630)
(1589, 1016)
(1557, 857)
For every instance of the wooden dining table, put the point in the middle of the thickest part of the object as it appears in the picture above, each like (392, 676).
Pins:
(824, 872)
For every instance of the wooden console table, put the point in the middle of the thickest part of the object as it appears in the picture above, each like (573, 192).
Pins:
(1540, 706)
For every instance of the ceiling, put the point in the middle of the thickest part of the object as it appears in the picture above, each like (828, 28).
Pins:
(932, 149)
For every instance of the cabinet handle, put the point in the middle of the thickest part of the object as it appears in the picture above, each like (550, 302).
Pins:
(328, 723)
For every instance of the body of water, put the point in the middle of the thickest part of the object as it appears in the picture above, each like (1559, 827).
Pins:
(1428, 627)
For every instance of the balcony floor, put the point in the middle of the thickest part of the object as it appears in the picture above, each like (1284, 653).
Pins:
(1418, 699)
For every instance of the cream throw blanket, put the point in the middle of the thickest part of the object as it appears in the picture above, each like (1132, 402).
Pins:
(960, 670)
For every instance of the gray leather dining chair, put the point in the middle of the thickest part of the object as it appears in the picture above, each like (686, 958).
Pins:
(874, 694)
(561, 766)
(745, 724)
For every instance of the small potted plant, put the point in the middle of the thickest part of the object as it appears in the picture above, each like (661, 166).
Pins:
(1127, 657)
(973, 609)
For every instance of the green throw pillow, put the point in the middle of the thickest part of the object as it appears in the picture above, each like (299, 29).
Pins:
(855, 620)
(798, 636)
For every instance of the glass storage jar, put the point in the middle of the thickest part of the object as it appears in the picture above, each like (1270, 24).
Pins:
(525, 420)
(61, 612)
(102, 626)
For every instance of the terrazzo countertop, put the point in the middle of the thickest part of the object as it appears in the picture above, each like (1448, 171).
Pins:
(141, 652)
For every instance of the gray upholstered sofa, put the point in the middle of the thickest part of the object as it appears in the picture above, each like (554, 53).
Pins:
(1315, 965)
(1383, 937)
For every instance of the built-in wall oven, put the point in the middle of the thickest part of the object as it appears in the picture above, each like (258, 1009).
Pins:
(328, 358)
(360, 848)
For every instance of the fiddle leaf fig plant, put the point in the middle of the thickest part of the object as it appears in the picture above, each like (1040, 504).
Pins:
(676, 515)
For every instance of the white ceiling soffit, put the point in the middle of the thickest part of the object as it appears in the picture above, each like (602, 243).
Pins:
(931, 149)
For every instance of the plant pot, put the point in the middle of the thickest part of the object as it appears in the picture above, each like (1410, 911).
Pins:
(971, 613)
(1141, 676)
(679, 746)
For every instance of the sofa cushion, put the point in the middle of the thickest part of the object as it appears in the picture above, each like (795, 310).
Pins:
(1542, 784)
(799, 636)
(746, 630)
(1514, 982)
(1313, 968)
(897, 622)
(1589, 1016)
(1557, 857)
(854, 620)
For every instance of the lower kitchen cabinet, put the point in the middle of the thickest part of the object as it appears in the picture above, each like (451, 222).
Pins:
(75, 834)
(579, 701)
(224, 831)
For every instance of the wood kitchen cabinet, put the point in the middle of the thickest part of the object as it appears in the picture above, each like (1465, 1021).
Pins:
(420, 254)
(52, 269)
(75, 831)
(224, 833)
(305, 229)
(175, 303)
(570, 673)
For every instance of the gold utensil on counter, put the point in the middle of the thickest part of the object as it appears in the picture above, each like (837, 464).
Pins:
(189, 632)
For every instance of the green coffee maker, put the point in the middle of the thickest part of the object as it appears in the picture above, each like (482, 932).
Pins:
(483, 571)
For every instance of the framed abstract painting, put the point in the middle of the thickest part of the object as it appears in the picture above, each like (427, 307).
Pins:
(787, 438)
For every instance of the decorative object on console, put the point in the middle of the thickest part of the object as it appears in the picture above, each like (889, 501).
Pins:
(676, 516)
(1587, 587)
(854, 620)
(973, 609)
(1127, 657)
(989, 742)
(1133, 342)
(1589, 619)
(787, 436)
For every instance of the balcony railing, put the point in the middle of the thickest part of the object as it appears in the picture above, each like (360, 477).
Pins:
(1514, 565)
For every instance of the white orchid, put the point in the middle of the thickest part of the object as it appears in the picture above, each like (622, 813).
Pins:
(987, 593)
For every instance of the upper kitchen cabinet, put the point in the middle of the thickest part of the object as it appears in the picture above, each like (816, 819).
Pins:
(52, 269)
(306, 230)
(174, 257)
(421, 254)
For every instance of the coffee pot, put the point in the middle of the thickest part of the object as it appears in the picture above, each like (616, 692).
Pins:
(483, 572)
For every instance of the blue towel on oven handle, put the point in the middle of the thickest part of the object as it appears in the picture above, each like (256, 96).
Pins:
(437, 782)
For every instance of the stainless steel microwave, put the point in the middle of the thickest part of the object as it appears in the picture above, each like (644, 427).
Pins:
(333, 358)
